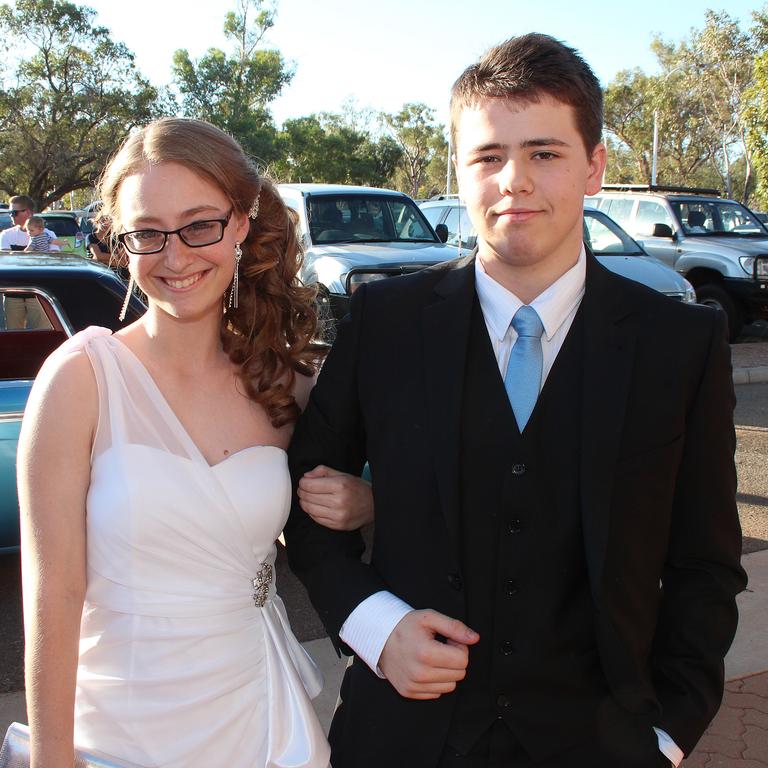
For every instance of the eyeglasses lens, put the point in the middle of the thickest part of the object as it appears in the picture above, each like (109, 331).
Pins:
(202, 233)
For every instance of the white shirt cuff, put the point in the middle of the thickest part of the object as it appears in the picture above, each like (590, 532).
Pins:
(668, 747)
(369, 626)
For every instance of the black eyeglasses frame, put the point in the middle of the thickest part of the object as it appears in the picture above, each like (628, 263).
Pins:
(178, 232)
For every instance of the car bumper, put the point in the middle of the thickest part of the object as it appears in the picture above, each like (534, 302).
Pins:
(753, 294)
(339, 304)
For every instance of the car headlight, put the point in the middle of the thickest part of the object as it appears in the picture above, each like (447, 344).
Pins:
(356, 279)
(748, 265)
(690, 293)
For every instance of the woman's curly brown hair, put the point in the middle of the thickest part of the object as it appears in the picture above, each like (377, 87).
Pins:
(270, 334)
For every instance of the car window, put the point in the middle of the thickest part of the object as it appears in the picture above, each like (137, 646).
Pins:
(63, 226)
(458, 223)
(618, 208)
(604, 237)
(20, 311)
(29, 332)
(650, 213)
(365, 218)
(432, 215)
(702, 217)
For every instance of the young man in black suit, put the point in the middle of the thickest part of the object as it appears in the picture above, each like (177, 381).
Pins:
(556, 549)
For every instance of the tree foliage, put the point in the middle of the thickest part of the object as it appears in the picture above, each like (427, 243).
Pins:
(65, 106)
(698, 103)
(233, 90)
(333, 149)
(423, 143)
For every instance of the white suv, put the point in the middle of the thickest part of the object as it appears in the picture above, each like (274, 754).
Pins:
(352, 235)
(717, 244)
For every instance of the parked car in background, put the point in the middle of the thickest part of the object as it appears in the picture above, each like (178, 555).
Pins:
(612, 246)
(44, 299)
(716, 243)
(66, 227)
(354, 235)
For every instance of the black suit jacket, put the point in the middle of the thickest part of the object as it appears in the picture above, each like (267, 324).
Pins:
(657, 479)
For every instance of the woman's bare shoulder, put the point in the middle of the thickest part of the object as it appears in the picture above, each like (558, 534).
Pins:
(64, 395)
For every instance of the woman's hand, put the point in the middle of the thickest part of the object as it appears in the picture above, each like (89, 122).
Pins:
(335, 499)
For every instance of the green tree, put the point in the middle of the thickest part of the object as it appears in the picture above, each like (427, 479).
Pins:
(633, 102)
(628, 116)
(755, 108)
(327, 148)
(233, 91)
(719, 59)
(421, 141)
(68, 102)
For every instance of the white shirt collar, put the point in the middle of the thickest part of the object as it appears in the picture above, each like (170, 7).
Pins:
(553, 305)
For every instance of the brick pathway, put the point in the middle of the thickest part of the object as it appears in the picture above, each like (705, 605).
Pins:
(738, 736)
(749, 355)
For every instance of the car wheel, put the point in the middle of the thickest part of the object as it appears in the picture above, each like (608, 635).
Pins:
(712, 295)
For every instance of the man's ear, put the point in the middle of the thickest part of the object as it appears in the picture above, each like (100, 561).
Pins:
(596, 170)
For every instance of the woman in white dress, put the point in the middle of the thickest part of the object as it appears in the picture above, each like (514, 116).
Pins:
(153, 481)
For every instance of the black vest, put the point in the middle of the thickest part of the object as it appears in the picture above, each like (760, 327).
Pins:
(523, 565)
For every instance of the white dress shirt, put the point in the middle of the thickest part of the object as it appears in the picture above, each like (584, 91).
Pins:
(370, 624)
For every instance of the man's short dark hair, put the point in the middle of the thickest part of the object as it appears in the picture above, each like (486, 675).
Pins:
(530, 67)
(23, 200)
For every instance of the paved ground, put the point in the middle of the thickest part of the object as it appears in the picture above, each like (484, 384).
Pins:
(738, 736)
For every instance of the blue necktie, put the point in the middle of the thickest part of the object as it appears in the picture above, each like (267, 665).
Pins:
(523, 378)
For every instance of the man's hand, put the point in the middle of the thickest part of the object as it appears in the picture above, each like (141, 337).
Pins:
(420, 666)
(335, 499)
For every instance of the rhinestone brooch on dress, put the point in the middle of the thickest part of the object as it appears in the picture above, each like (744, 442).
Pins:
(261, 584)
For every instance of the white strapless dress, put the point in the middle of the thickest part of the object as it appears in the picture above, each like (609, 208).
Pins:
(186, 656)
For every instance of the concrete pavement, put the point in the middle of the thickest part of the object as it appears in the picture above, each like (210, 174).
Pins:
(750, 362)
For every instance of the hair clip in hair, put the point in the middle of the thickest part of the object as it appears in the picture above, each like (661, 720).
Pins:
(254, 212)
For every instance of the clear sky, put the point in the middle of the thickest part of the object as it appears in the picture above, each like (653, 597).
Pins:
(389, 52)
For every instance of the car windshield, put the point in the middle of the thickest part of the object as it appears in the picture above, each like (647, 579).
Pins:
(367, 219)
(606, 238)
(714, 217)
(62, 226)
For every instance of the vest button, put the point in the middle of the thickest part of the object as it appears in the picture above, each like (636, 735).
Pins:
(514, 526)
(455, 580)
(518, 469)
(507, 647)
(504, 701)
(512, 588)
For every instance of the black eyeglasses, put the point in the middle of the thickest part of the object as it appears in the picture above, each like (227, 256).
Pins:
(16, 211)
(196, 235)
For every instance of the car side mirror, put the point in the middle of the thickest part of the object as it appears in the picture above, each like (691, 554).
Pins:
(662, 230)
(441, 230)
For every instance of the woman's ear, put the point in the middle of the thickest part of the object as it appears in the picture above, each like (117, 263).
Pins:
(242, 224)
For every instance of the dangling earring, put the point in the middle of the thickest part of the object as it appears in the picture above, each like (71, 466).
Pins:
(127, 300)
(236, 279)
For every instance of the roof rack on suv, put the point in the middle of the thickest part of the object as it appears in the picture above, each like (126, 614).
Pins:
(661, 188)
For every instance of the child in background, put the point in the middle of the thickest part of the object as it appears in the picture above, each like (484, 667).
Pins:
(40, 239)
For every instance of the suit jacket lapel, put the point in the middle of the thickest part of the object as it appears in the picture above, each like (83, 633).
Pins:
(445, 327)
(609, 348)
